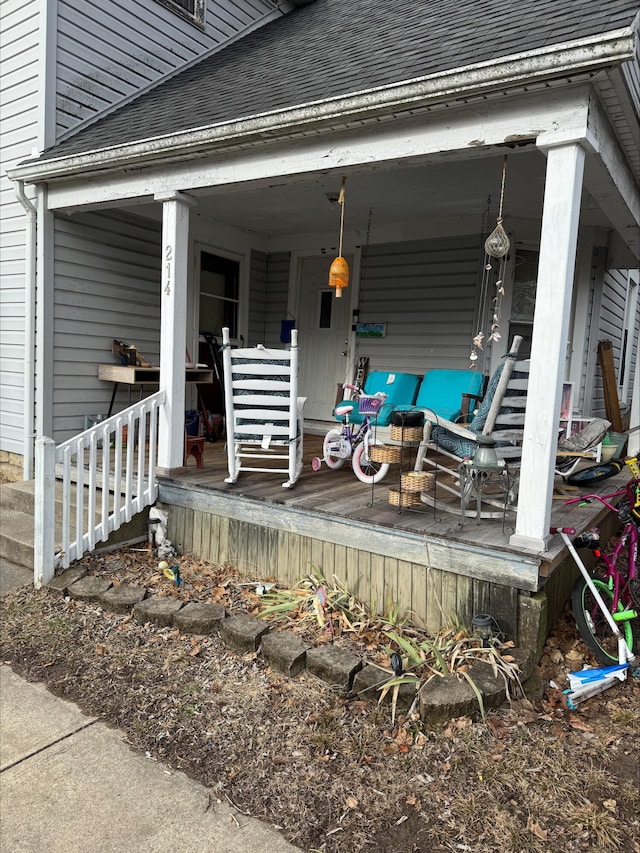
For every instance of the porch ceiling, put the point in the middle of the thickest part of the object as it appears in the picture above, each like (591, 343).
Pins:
(399, 196)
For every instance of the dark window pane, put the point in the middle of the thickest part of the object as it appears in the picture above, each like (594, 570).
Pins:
(326, 307)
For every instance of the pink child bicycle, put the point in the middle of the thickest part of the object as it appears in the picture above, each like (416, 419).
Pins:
(354, 441)
(617, 583)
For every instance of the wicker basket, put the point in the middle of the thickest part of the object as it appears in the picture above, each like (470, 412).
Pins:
(416, 482)
(406, 433)
(385, 453)
(398, 498)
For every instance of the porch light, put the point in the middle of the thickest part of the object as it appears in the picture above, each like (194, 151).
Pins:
(482, 625)
(339, 269)
(485, 455)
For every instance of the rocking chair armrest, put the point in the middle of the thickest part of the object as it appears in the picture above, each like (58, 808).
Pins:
(466, 408)
(458, 429)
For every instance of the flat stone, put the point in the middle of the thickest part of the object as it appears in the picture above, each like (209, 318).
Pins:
(157, 609)
(441, 699)
(243, 633)
(333, 665)
(89, 588)
(60, 583)
(199, 618)
(122, 598)
(369, 681)
(444, 698)
(284, 652)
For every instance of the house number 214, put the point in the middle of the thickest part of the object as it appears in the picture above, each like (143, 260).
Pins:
(168, 257)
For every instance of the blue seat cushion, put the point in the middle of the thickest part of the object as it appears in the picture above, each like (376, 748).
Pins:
(442, 390)
(400, 388)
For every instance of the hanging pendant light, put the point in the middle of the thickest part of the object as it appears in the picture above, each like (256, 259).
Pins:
(339, 269)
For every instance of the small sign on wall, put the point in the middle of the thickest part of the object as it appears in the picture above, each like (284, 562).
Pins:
(371, 330)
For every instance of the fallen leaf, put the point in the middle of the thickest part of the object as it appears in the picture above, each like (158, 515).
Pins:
(577, 724)
(610, 805)
(351, 803)
(537, 830)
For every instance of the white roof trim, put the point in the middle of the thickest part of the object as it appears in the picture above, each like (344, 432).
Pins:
(570, 57)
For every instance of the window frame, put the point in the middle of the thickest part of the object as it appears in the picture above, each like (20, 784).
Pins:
(197, 17)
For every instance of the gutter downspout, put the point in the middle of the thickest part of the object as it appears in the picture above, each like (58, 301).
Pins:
(29, 326)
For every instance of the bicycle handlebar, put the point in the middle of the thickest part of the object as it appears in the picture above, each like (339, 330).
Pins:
(570, 531)
(603, 500)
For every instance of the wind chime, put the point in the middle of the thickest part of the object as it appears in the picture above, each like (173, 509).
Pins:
(339, 269)
(496, 247)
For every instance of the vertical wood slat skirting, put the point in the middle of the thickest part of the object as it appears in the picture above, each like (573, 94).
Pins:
(430, 597)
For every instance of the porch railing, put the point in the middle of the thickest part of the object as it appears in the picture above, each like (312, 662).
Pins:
(109, 469)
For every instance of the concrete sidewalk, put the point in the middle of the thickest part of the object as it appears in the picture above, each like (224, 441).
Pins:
(70, 784)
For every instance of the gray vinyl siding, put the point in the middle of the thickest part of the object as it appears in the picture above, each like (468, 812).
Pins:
(277, 296)
(610, 329)
(108, 50)
(19, 25)
(107, 274)
(425, 291)
(258, 272)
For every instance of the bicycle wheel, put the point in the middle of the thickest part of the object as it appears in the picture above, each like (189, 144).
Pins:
(596, 472)
(365, 469)
(593, 626)
(334, 443)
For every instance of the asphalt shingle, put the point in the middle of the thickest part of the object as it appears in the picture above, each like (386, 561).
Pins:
(337, 47)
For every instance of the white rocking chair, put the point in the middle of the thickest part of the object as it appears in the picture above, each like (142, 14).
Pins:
(263, 411)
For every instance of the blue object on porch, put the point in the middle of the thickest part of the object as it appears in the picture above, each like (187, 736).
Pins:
(442, 391)
(286, 327)
(192, 422)
(400, 388)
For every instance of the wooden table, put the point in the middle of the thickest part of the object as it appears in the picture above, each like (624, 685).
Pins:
(141, 376)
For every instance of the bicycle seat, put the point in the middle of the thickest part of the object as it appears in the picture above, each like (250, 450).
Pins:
(343, 409)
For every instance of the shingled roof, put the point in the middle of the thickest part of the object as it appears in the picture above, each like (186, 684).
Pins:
(337, 47)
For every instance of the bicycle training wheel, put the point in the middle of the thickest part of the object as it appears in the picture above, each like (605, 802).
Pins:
(331, 446)
(596, 472)
(365, 469)
(593, 626)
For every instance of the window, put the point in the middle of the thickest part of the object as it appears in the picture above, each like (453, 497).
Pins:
(191, 10)
(219, 294)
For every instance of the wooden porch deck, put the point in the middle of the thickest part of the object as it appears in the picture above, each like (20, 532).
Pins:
(332, 521)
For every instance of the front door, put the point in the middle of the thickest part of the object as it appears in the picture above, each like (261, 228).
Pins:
(323, 324)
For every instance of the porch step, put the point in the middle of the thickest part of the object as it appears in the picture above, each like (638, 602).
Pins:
(16, 523)
(16, 537)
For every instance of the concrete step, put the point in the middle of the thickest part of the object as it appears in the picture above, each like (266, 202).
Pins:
(17, 525)
(16, 537)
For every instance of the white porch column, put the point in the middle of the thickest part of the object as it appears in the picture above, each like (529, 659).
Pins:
(558, 242)
(173, 332)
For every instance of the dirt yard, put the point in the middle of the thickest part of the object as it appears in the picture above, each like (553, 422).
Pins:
(333, 774)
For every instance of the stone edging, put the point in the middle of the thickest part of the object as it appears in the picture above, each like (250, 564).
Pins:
(439, 700)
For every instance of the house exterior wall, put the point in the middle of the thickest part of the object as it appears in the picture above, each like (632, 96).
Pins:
(19, 116)
(107, 273)
(258, 297)
(610, 327)
(426, 293)
(277, 296)
(63, 62)
(111, 50)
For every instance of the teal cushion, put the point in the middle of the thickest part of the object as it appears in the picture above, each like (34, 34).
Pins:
(442, 390)
(400, 388)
